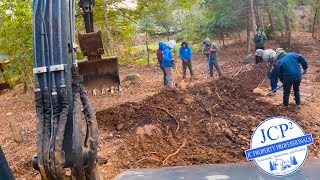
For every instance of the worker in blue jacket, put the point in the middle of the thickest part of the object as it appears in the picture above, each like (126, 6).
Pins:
(159, 56)
(168, 62)
(288, 70)
(185, 53)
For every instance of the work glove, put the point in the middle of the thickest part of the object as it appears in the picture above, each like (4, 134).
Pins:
(211, 50)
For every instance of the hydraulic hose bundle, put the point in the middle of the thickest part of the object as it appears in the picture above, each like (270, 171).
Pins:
(59, 96)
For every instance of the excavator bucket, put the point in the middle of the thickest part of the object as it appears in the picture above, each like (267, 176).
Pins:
(97, 72)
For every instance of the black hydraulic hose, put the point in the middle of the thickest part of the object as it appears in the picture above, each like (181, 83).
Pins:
(46, 93)
(38, 93)
(91, 120)
(61, 14)
(40, 131)
(34, 44)
(47, 128)
(78, 169)
(59, 154)
(54, 94)
(71, 21)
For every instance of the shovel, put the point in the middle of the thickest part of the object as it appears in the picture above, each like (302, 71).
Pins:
(207, 69)
(177, 71)
(275, 89)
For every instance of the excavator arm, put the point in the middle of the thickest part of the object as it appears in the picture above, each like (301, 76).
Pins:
(96, 72)
(87, 8)
(61, 102)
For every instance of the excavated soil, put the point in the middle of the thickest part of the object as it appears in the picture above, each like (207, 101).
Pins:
(209, 123)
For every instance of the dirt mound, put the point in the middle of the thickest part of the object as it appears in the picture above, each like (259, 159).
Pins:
(210, 123)
(251, 79)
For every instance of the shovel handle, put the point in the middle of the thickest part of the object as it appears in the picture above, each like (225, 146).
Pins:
(275, 89)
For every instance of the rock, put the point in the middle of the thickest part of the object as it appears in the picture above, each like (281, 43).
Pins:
(191, 85)
(146, 129)
(19, 88)
(15, 130)
(208, 90)
(119, 126)
(183, 120)
(181, 85)
(133, 78)
(188, 99)
(251, 118)
(102, 160)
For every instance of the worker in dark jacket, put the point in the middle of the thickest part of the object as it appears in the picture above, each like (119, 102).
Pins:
(288, 70)
(212, 50)
(259, 39)
(159, 56)
(185, 53)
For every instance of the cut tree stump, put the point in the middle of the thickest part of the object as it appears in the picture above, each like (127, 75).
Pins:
(16, 133)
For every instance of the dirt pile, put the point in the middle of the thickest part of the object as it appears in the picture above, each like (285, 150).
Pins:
(209, 123)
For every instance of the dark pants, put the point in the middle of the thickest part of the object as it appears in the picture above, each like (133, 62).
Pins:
(5, 172)
(258, 58)
(215, 63)
(165, 81)
(184, 68)
(287, 84)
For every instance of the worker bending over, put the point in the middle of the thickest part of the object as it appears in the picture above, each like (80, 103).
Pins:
(288, 70)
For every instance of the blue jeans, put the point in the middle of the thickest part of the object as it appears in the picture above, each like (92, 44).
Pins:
(165, 81)
(287, 84)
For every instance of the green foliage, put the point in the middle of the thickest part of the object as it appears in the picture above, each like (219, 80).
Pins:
(16, 39)
(224, 16)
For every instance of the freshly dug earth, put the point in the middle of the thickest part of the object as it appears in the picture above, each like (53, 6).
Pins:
(209, 123)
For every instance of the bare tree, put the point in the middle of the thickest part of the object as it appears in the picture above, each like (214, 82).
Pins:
(109, 35)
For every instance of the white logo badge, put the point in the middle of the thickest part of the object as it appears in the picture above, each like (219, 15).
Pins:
(279, 146)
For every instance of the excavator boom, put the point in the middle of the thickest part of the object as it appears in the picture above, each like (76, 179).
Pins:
(61, 102)
(96, 71)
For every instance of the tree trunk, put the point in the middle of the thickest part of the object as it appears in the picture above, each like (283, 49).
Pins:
(257, 15)
(269, 11)
(314, 22)
(253, 22)
(147, 48)
(106, 23)
(288, 29)
(248, 33)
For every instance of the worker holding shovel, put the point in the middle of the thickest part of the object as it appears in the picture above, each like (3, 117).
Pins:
(211, 51)
(168, 62)
(269, 57)
(288, 70)
(185, 53)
